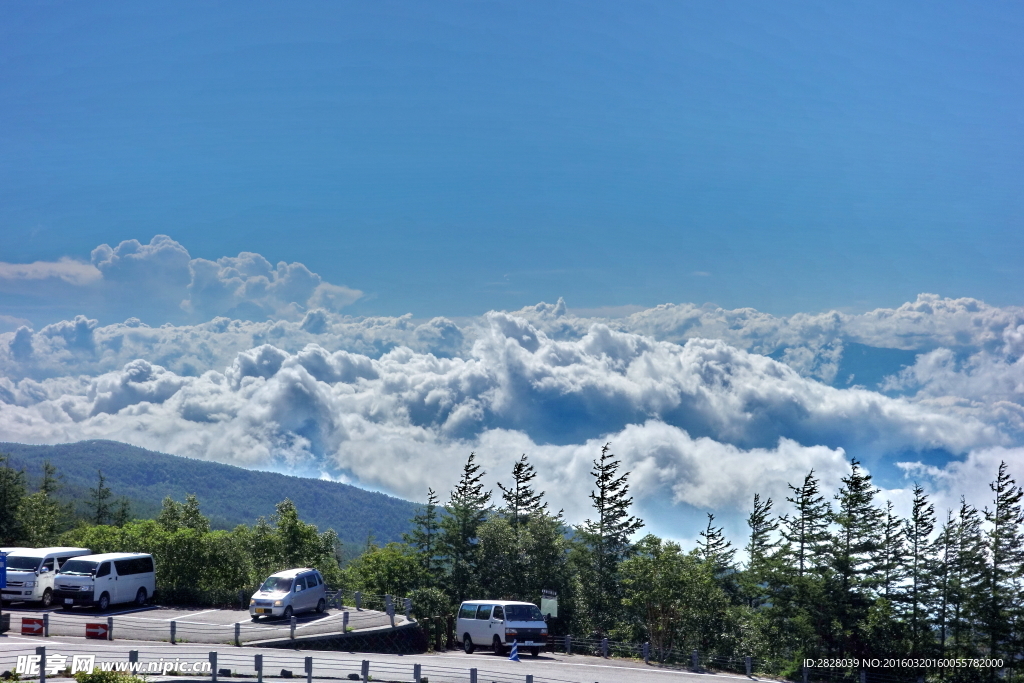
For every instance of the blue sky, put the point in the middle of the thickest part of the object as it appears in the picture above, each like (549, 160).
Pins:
(451, 158)
(215, 216)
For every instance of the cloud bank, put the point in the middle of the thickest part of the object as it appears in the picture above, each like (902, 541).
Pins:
(704, 405)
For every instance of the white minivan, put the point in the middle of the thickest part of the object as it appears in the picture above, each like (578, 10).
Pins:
(31, 571)
(105, 579)
(497, 623)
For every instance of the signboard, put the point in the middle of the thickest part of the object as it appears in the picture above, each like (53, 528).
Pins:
(96, 631)
(549, 602)
(3, 570)
(31, 627)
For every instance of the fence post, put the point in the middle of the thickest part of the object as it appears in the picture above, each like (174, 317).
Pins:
(472, 676)
(110, 628)
(213, 666)
(174, 631)
(438, 628)
(417, 672)
(568, 644)
(749, 661)
(647, 653)
(238, 635)
(46, 624)
(309, 670)
(365, 668)
(359, 600)
(259, 668)
(293, 620)
(407, 603)
(529, 678)
(451, 632)
(604, 648)
(41, 653)
(133, 656)
(389, 607)
(695, 659)
(344, 622)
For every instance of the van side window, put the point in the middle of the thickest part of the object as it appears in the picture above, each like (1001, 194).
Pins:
(103, 570)
(499, 613)
(48, 564)
(145, 564)
(467, 612)
(484, 612)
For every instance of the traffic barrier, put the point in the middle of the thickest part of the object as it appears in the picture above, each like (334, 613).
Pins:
(96, 631)
(31, 626)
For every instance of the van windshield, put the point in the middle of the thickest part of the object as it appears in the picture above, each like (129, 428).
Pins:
(276, 584)
(22, 563)
(79, 567)
(523, 613)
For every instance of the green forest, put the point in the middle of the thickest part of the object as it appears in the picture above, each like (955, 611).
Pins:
(820, 578)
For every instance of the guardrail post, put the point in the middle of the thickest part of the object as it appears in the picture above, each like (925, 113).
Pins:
(174, 631)
(133, 657)
(366, 670)
(309, 670)
(749, 661)
(213, 666)
(407, 603)
(695, 660)
(293, 620)
(604, 648)
(238, 635)
(647, 653)
(472, 676)
(41, 653)
(258, 664)
(46, 624)
(529, 678)
(417, 672)
(568, 644)
(359, 600)
(110, 628)
(389, 608)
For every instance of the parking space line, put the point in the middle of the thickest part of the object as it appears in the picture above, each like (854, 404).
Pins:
(192, 614)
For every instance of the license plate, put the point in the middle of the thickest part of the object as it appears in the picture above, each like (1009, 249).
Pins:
(260, 610)
(69, 601)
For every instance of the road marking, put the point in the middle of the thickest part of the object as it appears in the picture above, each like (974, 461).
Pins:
(191, 614)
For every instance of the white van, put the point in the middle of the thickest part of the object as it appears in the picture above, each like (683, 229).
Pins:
(31, 571)
(289, 592)
(105, 579)
(497, 623)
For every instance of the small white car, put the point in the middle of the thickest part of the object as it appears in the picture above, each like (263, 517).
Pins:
(289, 592)
(31, 572)
(497, 623)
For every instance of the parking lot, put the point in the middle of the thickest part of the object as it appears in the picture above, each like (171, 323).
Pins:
(196, 625)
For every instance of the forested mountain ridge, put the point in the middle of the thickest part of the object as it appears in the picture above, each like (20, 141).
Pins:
(229, 495)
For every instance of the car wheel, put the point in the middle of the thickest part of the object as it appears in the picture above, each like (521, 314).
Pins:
(255, 618)
(497, 646)
(467, 644)
(140, 597)
(47, 597)
(321, 606)
(288, 612)
(535, 652)
(104, 602)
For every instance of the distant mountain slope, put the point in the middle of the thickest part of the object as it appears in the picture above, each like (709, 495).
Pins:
(228, 495)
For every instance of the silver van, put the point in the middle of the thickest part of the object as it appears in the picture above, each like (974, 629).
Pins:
(289, 592)
(31, 571)
(499, 623)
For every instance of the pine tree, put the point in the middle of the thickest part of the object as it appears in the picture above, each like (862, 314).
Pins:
(520, 499)
(122, 512)
(99, 501)
(170, 515)
(918, 596)
(806, 532)
(468, 506)
(425, 538)
(714, 549)
(942, 577)
(892, 553)
(1005, 553)
(967, 579)
(607, 537)
(191, 517)
(12, 493)
(41, 514)
(760, 551)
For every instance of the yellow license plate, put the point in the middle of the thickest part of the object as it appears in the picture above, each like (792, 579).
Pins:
(260, 610)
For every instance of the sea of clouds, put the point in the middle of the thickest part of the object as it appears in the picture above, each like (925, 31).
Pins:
(249, 363)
